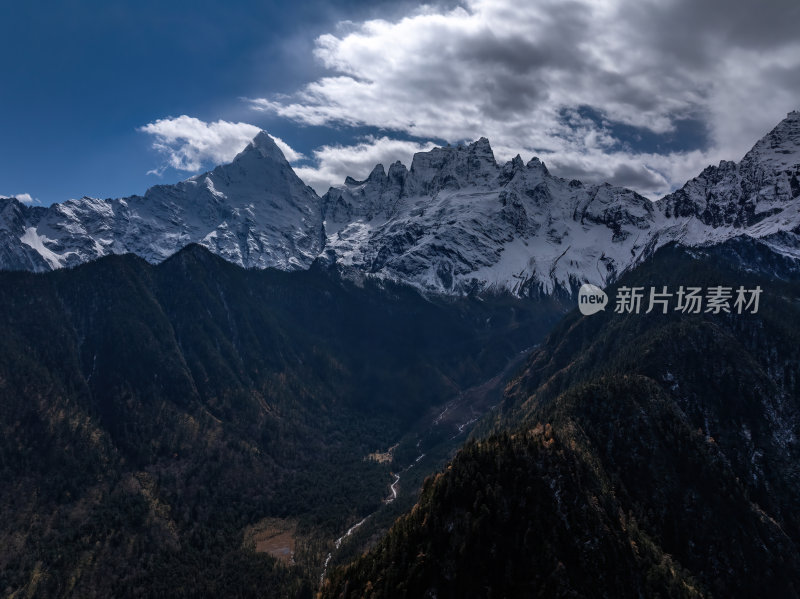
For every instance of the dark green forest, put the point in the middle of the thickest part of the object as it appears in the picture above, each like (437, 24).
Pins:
(150, 414)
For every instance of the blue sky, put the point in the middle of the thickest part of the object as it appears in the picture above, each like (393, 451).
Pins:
(108, 98)
(79, 79)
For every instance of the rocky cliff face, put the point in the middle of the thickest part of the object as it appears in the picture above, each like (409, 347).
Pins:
(759, 197)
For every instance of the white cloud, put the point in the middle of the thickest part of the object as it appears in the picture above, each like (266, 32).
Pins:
(25, 198)
(334, 163)
(189, 144)
(290, 153)
(511, 71)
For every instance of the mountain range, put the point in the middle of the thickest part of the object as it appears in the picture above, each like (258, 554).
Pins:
(455, 222)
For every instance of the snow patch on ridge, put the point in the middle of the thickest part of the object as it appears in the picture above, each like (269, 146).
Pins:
(32, 239)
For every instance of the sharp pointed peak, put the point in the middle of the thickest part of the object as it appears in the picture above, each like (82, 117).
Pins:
(265, 145)
(377, 172)
(482, 147)
(397, 170)
(535, 163)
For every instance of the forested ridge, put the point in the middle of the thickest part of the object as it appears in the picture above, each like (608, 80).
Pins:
(634, 455)
(151, 414)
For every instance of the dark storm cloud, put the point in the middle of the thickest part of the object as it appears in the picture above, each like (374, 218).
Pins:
(665, 86)
(761, 25)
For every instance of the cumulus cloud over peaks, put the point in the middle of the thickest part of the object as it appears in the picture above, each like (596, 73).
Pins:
(519, 73)
(190, 144)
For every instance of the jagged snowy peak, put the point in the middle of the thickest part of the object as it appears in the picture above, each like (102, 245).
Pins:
(254, 212)
(762, 184)
(471, 166)
(374, 197)
(438, 169)
(758, 197)
(456, 221)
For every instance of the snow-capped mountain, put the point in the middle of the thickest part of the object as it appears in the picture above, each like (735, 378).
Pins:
(254, 212)
(454, 222)
(758, 197)
(457, 221)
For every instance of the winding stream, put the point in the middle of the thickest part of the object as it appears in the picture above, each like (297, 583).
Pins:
(451, 409)
(339, 544)
(388, 500)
